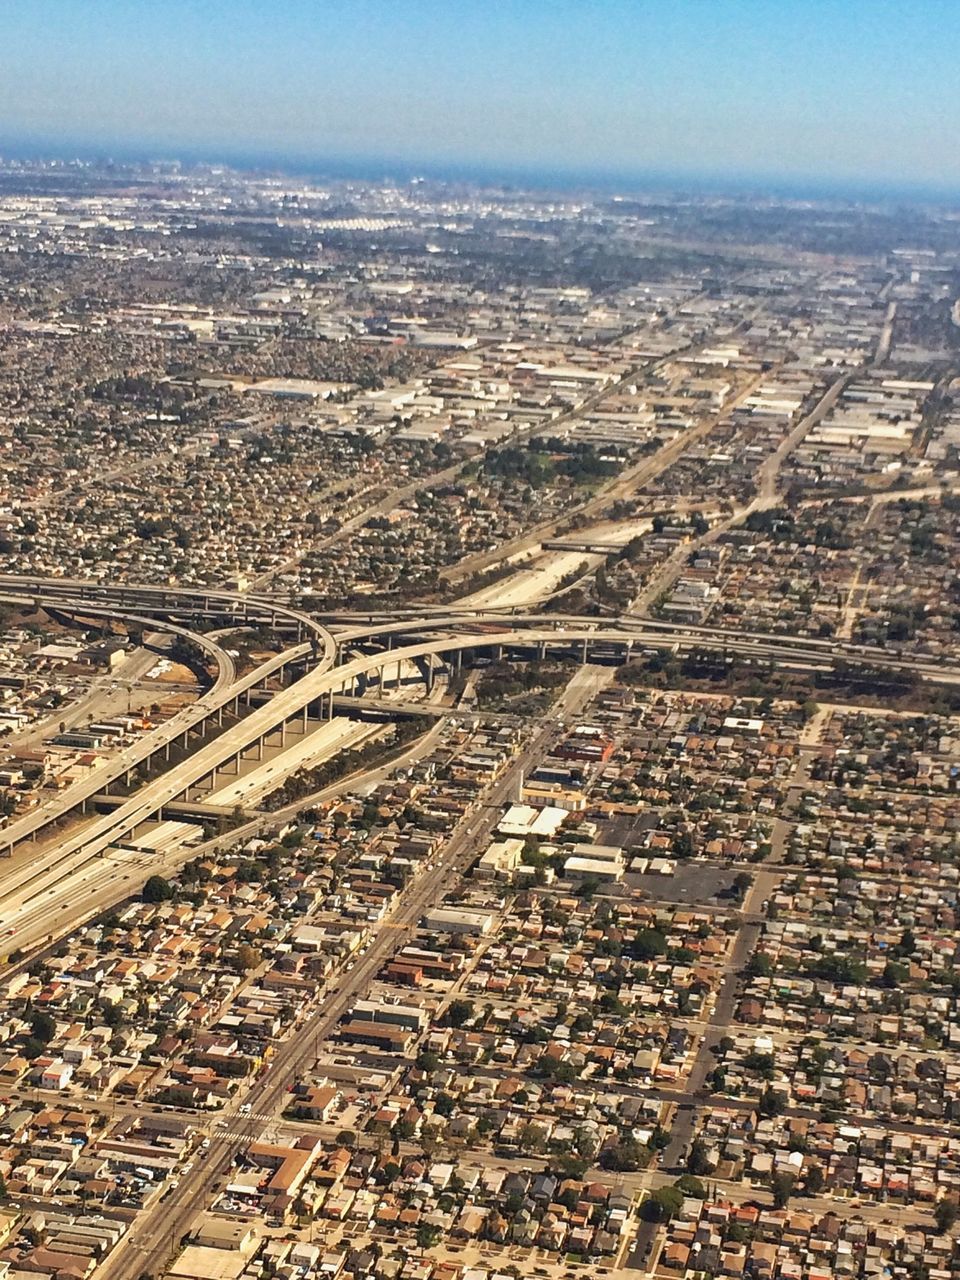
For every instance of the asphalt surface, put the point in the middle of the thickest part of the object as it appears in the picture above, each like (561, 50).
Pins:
(160, 1227)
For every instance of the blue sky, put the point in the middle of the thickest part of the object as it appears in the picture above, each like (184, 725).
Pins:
(859, 90)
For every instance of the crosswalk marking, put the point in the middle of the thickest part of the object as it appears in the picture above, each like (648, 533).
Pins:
(264, 1116)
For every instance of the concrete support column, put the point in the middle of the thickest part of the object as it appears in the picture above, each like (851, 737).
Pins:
(306, 717)
(379, 682)
(541, 649)
(583, 653)
(258, 748)
(219, 716)
(330, 705)
(429, 681)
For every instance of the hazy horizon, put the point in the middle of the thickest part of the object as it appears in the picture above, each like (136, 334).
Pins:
(371, 169)
(848, 97)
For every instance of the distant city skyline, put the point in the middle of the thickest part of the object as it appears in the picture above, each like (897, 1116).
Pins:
(829, 95)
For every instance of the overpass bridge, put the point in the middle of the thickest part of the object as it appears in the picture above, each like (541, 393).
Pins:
(588, 546)
(314, 694)
(183, 810)
(434, 643)
(193, 723)
(196, 603)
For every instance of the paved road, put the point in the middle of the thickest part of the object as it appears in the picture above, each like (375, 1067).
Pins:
(100, 701)
(665, 577)
(159, 1227)
(74, 854)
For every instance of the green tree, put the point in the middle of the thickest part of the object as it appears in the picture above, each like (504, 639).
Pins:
(111, 1013)
(759, 966)
(741, 883)
(459, 1012)
(772, 1103)
(648, 944)
(428, 1237)
(662, 1205)
(42, 1027)
(533, 1138)
(659, 1139)
(157, 890)
(907, 944)
(570, 1166)
(627, 1156)
(691, 1186)
(893, 975)
(945, 1216)
(814, 1180)
(698, 1162)
(782, 1187)
(247, 957)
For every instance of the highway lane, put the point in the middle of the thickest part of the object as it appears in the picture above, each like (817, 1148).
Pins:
(186, 721)
(39, 904)
(167, 1221)
(453, 618)
(103, 882)
(287, 703)
(60, 860)
(234, 606)
(457, 616)
(305, 752)
(101, 701)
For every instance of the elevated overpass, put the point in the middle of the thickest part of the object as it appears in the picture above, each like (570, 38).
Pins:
(226, 669)
(189, 724)
(437, 640)
(643, 632)
(315, 693)
(178, 602)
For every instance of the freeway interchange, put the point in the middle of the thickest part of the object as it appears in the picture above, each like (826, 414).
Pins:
(73, 873)
(344, 656)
